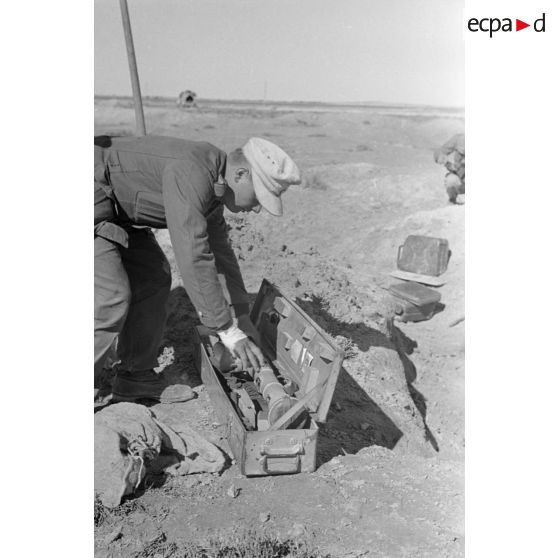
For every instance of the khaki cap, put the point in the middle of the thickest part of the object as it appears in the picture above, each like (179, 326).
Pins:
(273, 171)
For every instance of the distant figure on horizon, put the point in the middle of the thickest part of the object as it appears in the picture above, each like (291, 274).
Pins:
(186, 99)
(452, 156)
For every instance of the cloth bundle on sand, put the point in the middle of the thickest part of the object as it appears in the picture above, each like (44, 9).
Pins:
(129, 441)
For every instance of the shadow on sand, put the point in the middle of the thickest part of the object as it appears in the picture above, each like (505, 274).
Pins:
(177, 345)
(350, 397)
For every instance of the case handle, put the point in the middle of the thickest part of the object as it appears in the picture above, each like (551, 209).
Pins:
(281, 460)
(293, 451)
(281, 464)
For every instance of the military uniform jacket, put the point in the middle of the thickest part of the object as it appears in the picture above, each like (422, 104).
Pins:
(164, 182)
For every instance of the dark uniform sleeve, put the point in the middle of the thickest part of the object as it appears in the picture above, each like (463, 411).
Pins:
(227, 264)
(184, 193)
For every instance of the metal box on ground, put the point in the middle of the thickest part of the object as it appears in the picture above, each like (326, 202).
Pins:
(414, 302)
(424, 255)
(304, 357)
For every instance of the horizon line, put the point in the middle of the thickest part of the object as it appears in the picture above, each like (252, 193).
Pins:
(271, 101)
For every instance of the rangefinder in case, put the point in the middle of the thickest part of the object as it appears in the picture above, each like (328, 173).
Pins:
(272, 417)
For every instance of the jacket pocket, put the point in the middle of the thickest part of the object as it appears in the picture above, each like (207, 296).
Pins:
(103, 208)
(112, 232)
(149, 210)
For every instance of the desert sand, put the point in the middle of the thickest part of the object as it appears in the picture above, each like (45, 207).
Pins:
(390, 476)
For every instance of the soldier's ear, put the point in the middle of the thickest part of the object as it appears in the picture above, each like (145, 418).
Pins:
(241, 173)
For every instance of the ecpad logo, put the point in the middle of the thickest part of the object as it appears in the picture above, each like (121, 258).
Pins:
(494, 24)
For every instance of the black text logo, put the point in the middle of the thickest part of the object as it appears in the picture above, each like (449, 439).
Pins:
(495, 24)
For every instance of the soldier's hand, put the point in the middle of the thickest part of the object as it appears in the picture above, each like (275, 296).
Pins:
(249, 353)
(242, 347)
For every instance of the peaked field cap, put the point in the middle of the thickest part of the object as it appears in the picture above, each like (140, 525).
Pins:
(273, 171)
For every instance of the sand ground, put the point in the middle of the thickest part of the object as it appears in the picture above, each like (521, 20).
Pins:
(391, 454)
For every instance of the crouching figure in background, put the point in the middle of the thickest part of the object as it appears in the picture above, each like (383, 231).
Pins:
(452, 156)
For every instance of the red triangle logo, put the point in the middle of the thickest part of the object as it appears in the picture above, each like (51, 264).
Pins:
(519, 25)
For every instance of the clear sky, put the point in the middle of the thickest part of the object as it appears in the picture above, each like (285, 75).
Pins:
(399, 51)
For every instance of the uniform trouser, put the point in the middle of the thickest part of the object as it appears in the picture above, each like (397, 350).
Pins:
(454, 185)
(132, 285)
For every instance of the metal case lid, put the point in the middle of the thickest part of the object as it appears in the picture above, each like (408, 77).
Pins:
(425, 255)
(300, 350)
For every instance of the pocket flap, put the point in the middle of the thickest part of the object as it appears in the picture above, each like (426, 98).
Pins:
(149, 210)
(112, 232)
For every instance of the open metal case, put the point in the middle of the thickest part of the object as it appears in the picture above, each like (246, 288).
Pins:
(300, 352)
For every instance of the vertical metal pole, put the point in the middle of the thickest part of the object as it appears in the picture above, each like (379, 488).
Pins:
(140, 121)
